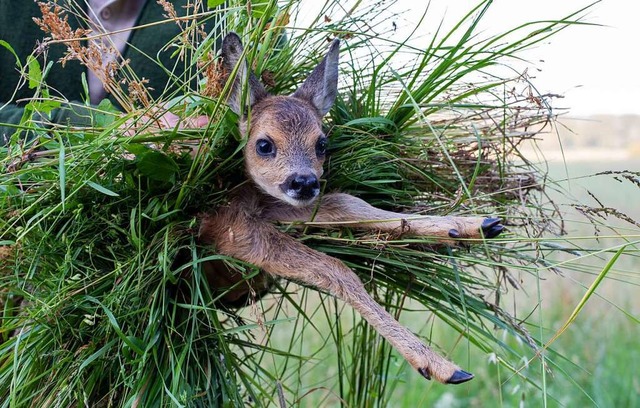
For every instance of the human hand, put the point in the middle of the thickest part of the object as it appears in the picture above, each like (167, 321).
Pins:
(157, 120)
(162, 119)
(165, 119)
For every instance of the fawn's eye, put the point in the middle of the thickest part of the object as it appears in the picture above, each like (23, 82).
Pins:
(321, 146)
(265, 148)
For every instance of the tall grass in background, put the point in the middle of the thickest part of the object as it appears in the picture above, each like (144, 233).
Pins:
(103, 299)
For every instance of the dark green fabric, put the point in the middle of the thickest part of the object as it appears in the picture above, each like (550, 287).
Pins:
(67, 114)
(19, 30)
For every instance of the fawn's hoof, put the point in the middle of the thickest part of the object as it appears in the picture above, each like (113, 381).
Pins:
(425, 373)
(460, 376)
(491, 228)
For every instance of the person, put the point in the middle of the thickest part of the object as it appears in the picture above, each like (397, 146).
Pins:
(144, 48)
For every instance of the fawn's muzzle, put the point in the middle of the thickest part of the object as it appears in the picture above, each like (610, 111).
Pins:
(301, 186)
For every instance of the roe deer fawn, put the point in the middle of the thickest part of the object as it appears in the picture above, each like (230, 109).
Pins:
(284, 154)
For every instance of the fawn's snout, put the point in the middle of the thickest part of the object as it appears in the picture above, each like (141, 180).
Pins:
(302, 187)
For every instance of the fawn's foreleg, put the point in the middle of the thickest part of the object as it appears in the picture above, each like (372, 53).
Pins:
(237, 233)
(350, 211)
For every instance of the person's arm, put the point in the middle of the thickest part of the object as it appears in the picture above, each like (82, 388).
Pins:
(10, 114)
(70, 114)
(75, 114)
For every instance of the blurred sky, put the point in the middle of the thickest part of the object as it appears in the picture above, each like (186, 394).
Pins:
(596, 68)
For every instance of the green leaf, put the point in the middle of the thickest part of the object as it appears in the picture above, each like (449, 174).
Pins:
(106, 113)
(9, 190)
(62, 172)
(373, 123)
(97, 355)
(102, 189)
(45, 105)
(259, 8)
(128, 346)
(214, 3)
(133, 345)
(133, 227)
(12, 51)
(157, 166)
(588, 294)
(161, 216)
(85, 84)
(35, 72)
(45, 91)
(137, 149)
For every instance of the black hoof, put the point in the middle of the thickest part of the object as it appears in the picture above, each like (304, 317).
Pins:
(490, 222)
(454, 233)
(459, 377)
(491, 227)
(425, 373)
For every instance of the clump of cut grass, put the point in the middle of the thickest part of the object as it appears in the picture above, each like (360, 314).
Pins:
(105, 302)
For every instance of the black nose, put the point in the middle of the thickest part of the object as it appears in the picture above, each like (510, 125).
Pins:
(301, 186)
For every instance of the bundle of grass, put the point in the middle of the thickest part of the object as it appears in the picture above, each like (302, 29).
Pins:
(104, 298)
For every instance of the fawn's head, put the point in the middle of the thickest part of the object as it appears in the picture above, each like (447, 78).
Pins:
(286, 146)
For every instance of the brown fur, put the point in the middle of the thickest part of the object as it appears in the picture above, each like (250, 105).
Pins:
(244, 229)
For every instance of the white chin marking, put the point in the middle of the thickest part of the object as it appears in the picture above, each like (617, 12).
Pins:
(279, 195)
(295, 202)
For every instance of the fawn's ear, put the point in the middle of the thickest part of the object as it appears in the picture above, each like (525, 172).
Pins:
(231, 58)
(321, 87)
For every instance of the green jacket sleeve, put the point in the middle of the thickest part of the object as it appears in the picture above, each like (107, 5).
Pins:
(10, 114)
(70, 114)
